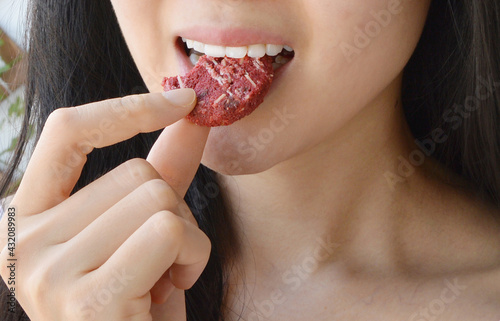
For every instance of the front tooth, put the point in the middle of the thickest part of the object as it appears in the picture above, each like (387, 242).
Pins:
(215, 51)
(256, 51)
(198, 46)
(273, 50)
(194, 58)
(236, 52)
(253, 51)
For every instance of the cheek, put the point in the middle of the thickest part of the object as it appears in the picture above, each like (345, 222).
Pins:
(354, 49)
(361, 42)
(147, 38)
(358, 49)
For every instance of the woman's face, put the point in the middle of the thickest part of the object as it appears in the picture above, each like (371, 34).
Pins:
(346, 53)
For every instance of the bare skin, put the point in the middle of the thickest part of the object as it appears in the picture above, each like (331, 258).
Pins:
(323, 234)
(79, 254)
(391, 255)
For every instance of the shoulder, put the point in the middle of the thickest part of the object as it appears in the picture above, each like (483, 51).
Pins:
(458, 238)
(457, 231)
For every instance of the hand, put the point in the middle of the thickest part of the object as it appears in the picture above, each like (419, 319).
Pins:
(119, 248)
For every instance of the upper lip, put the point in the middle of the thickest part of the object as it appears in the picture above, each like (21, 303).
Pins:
(233, 37)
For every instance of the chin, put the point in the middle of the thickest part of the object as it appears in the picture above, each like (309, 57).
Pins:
(230, 151)
(229, 161)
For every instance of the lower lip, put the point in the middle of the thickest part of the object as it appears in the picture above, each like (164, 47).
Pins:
(186, 65)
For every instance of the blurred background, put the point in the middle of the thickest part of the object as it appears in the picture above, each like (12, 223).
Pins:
(12, 75)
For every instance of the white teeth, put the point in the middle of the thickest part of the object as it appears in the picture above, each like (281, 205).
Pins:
(273, 50)
(194, 58)
(256, 51)
(214, 51)
(253, 51)
(236, 52)
(198, 46)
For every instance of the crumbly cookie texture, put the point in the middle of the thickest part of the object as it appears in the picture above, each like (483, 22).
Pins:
(228, 89)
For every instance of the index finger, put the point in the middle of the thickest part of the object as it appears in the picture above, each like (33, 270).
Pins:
(70, 134)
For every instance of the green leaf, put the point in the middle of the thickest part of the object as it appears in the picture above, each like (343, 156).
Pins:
(5, 68)
(2, 42)
(13, 144)
(12, 147)
(16, 60)
(9, 66)
(16, 109)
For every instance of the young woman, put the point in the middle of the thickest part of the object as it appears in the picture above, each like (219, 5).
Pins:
(365, 187)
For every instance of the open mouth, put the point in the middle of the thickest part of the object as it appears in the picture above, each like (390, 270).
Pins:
(281, 54)
(230, 81)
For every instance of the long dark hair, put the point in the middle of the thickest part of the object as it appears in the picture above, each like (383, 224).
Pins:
(78, 55)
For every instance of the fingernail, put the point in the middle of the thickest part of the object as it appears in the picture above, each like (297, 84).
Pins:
(183, 97)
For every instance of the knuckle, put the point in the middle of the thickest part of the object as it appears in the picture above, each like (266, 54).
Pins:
(80, 302)
(138, 308)
(60, 119)
(205, 246)
(75, 309)
(41, 282)
(131, 104)
(208, 244)
(139, 170)
(160, 195)
(185, 211)
(168, 225)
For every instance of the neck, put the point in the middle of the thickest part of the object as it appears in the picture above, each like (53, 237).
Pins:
(334, 193)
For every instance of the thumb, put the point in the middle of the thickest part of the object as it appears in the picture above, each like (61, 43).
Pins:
(177, 153)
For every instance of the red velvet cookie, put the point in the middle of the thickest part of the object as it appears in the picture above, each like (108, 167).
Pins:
(228, 89)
